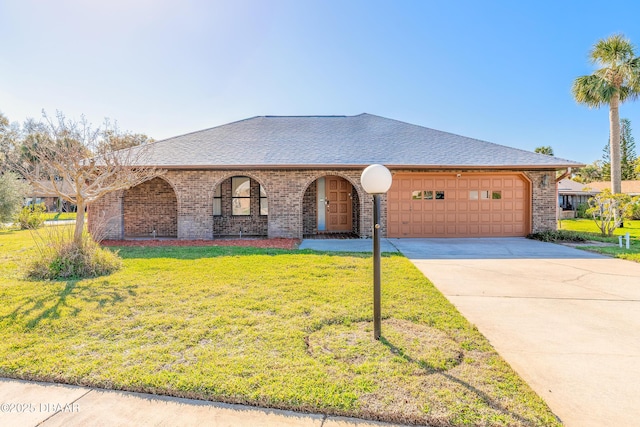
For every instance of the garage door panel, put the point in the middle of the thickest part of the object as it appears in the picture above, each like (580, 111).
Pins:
(428, 205)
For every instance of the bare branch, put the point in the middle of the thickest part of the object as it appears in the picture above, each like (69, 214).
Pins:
(78, 163)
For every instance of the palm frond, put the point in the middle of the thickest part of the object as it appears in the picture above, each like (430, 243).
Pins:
(612, 51)
(591, 90)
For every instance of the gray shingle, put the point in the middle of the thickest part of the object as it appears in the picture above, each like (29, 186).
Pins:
(341, 141)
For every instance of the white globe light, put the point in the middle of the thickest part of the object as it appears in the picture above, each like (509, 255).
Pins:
(376, 179)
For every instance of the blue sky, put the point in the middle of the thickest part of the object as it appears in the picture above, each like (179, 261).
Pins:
(500, 71)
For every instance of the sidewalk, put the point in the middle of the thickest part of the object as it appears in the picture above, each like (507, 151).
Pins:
(30, 404)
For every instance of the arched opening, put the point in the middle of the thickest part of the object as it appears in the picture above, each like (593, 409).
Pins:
(331, 207)
(150, 210)
(240, 208)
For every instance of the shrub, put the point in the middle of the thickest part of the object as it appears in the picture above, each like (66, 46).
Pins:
(32, 216)
(608, 210)
(558, 236)
(581, 211)
(635, 211)
(12, 193)
(60, 258)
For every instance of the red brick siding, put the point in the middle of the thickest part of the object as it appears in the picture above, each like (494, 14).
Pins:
(290, 201)
(229, 225)
(148, 207)
(310, 210)
(544, 202)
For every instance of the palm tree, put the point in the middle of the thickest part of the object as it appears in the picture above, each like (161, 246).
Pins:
(544, 149)
(616, 81)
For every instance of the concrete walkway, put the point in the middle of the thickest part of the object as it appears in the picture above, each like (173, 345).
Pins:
(346, 245)
(566, 320)
(31, 404)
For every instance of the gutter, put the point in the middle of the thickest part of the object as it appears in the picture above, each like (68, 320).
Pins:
(362, 166)
(564, 175)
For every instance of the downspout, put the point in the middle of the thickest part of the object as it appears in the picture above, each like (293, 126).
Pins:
(564, 175)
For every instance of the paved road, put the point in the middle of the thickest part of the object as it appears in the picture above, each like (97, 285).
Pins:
(566, 320)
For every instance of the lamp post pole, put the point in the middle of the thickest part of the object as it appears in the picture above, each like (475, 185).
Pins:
(376, 180)
(377, 321)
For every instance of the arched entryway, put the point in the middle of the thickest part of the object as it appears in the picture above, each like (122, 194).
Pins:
(331, 206)
(150, 210)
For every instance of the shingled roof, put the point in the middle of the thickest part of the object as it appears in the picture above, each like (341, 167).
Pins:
(338, 142)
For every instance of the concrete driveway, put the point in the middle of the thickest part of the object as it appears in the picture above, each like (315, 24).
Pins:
(567, 321)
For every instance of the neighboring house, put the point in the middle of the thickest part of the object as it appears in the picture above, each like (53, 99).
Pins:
(51, 200)
(572, 194)
(631, 188)
(300, 176)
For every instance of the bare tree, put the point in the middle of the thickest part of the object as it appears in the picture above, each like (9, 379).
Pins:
(72, 160)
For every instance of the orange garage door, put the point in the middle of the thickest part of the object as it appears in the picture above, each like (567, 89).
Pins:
(445, 205)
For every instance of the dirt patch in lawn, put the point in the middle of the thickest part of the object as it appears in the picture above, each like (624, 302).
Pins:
(279, 243)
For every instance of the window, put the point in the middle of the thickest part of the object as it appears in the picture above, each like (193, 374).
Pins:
(428, 195)
(264, 202)
(484, 194)
(439, 195)
(496, 195)
(473, 195)
(416, 195)
(217, 201)
(240, 196)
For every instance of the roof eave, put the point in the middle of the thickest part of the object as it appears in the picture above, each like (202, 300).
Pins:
(364, 165)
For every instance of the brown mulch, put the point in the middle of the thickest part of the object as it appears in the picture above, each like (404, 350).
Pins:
(279, 243)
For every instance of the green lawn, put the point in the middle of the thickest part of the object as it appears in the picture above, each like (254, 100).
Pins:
(59, 216)
(284, 329)
(589, 226)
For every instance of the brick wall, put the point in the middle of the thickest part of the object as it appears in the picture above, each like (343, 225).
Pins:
(150, 209)
(544, 200)
(291, 195)
(229, 225)
(310, 210)
(105, 217)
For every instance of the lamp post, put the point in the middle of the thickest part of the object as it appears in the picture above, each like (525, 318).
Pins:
(376, 180)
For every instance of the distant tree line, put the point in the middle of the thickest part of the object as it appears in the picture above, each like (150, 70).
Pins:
(600, 170)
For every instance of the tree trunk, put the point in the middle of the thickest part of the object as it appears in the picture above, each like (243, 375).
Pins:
(77, 233)
(614, 133)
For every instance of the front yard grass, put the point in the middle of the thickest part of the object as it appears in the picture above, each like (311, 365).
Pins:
(60, 216)
(590, 231)
(269, 327)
